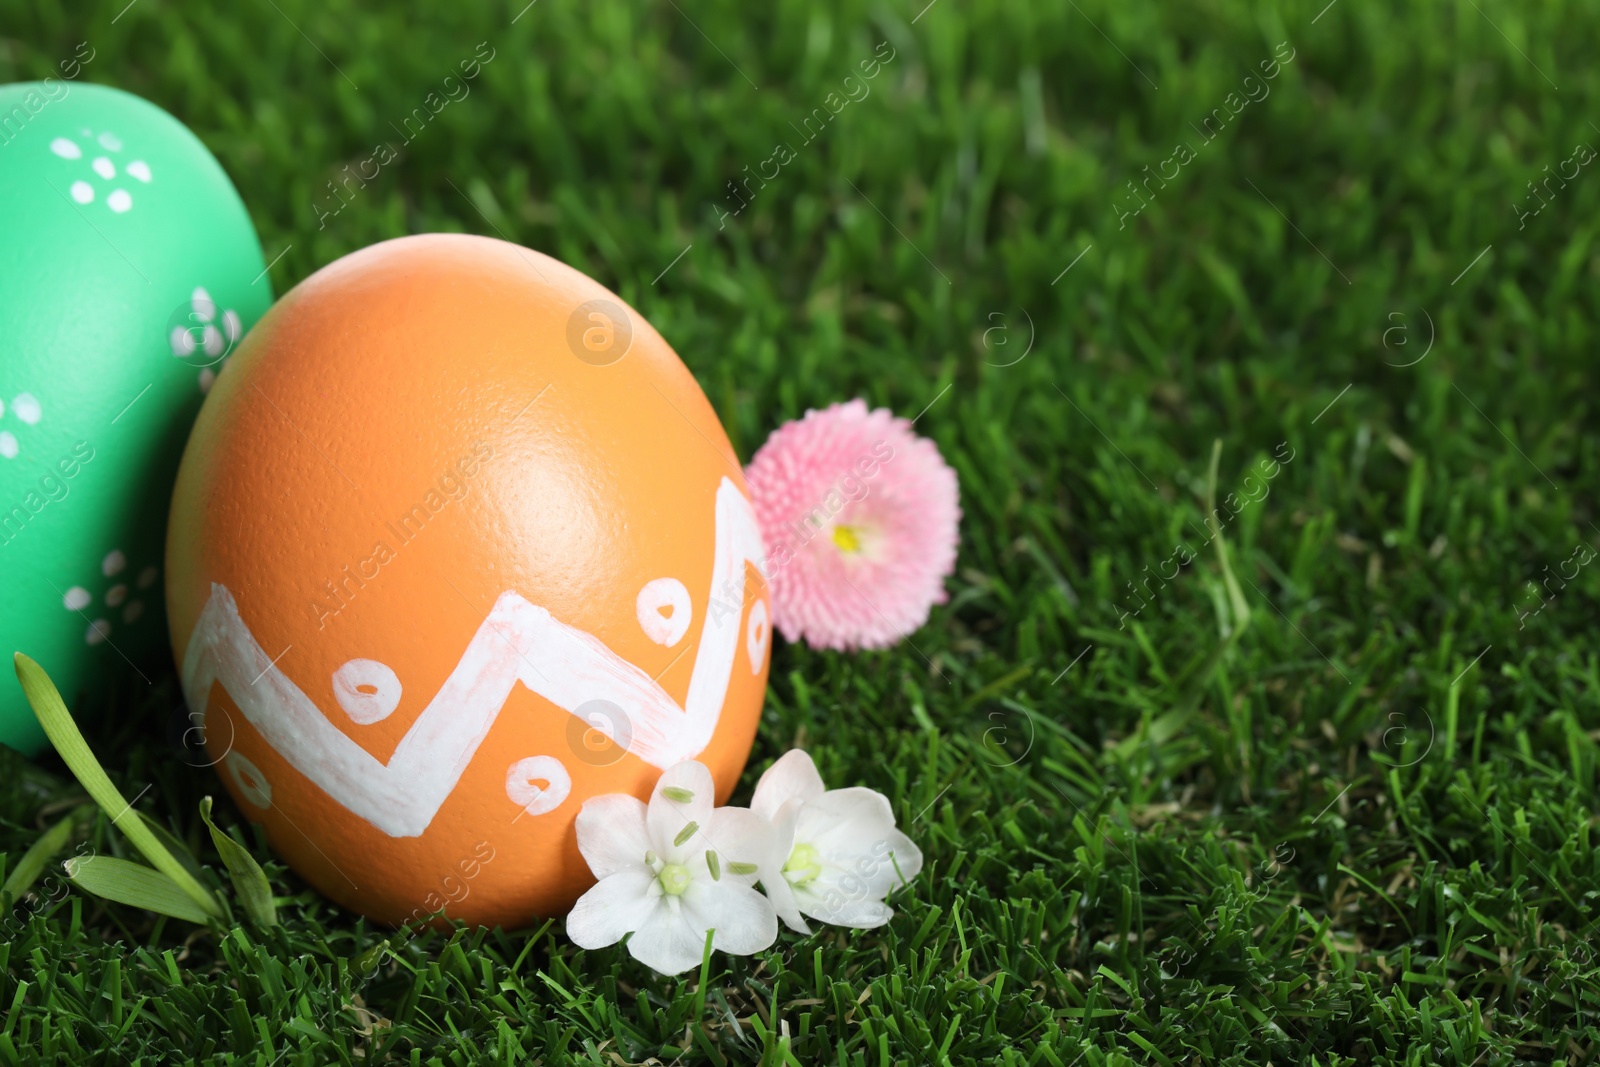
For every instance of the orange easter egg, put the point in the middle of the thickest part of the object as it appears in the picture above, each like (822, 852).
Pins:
(458, 543)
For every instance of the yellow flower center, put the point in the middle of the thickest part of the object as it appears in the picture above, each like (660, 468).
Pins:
(804, 865)
(674, 879)
(847, 538)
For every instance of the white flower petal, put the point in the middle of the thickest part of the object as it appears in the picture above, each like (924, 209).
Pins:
(611, 833)
(617, 906)
(669, 818)
(773, 883)
(902, 861)
(739, 835)
(793, 777)
(784, 903)
(784, 824)
(669, 942)
(743, 919)
(851, 888)
(840, 909)
(876, 871)
(845, 820)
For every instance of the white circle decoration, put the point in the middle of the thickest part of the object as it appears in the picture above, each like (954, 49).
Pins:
(139, 169)
(367, 690)
(82, 192)
(8, 444)
(522, 784)
(97, 632)
(132, 612)
(147, 577)
(104, 167)
(116, 595)
(77, 598)
(113, 563)
(119, 200)
(26, 407)
(251, 782)
(66, 149)
(757, 636)
(664, 593)
(110, 142)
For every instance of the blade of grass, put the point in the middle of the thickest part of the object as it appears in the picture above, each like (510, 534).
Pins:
(133, 884)
(249, 881)
(173, 844)
(1241, 607)
(41, 852)
(63, 734)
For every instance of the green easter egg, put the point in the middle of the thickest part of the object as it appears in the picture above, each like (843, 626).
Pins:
(130, 271)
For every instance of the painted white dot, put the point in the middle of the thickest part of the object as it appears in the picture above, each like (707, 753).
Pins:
(132, 612)
(367, 690)
(757, 635)
(116, 595)
(664, 611)
(523, 784)
(113, 563)
(97, 632)
(25, 406)
(119, 200)
(8, 445)
(139, 169)
(66, 149)
(82, 192)
(2, 407)
(253, 785)
(232, 326)
(207, 379)
(110, 142)
(77, 598)
(211, 340)
(147, 577)
(104, 167)
(182, 341)
(205, 308)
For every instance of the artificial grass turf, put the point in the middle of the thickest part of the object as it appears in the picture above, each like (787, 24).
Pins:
(1338, 807)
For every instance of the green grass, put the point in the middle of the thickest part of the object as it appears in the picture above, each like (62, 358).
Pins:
(1338, 809)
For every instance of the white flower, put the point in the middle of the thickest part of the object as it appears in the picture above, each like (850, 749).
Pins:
(671, 872)
(835, 854)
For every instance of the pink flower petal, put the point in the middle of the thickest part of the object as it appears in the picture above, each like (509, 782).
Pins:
(860, 518)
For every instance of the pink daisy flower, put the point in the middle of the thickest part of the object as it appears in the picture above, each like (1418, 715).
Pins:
(859, 517)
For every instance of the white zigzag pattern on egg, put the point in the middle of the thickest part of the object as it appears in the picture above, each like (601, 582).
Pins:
(518, 642)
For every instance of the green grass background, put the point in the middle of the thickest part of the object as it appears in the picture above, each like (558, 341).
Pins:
(1342, 811)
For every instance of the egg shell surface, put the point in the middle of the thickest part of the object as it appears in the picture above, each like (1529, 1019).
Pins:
(457, 544)
(129, 270)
